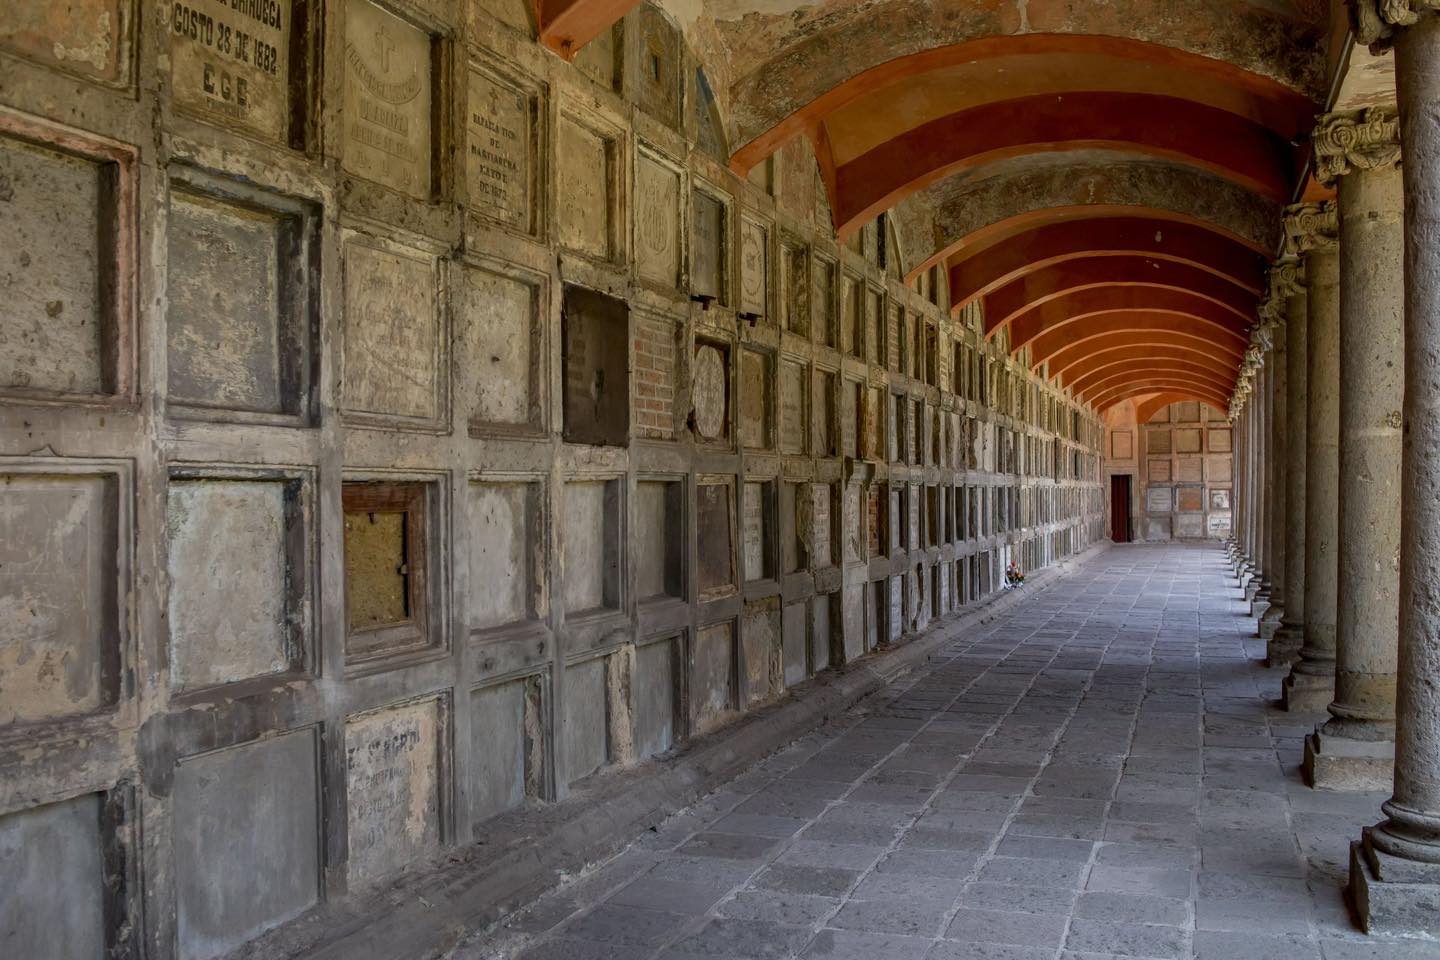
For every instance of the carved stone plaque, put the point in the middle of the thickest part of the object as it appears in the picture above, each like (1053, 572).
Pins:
(1158, 500)
(585, 184)
(707, 244)
(499, 159)
(87, 37)
(708, 393)
(754, 267)
(230, 61)
(657, 221)
(392, 337)
(392, 769)
(387, 99)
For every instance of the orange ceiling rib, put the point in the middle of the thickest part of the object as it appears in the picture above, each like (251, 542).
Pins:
(1286, 110)
(1083, 335)
(1146, 124)
(1066, 360)
(567, 25)
(1107, 378)
(985, 264)
(1101, 359)
(1083, 304)
(1047, 283)
(1157, 384)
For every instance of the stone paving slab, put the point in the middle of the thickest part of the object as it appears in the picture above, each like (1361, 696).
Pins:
(1100, 773)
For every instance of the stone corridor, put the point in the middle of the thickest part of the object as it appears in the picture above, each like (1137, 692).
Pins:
(1100, 773)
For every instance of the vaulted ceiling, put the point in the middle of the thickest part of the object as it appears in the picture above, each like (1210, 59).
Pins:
(1105, 176)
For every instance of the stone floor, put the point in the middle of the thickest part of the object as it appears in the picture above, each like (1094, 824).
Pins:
(1098, 774)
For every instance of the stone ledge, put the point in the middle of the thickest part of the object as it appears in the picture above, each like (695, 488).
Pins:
(521, 854)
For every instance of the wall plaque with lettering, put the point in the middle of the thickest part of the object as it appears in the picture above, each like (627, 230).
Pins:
(1158, 500)
(754, 267)
(499, 152)
(657, 221)
(387, 99)
(230, 62)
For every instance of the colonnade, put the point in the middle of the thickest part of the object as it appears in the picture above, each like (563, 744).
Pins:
(1337, 470)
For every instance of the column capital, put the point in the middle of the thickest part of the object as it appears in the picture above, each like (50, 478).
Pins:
(1287, 278)
(1375, 22)
(1363, 140)
(1310, 227)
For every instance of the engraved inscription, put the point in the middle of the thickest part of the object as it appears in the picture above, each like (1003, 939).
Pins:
(498, 160)
(754, 268)
(708, 393)
(392, 766)
(657, 190)
(585, 177)
(391, 334)
(230, 59)
(387, 99)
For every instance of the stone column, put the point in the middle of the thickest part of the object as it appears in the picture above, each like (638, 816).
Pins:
(1355, 749)
(1276, 443)
(1242, 478)
(1312, 230)
(1259, 589)
(1395, 869)
(1287, 281)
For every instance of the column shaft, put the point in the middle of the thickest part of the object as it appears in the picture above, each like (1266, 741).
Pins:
(1395, 871)
(1275, 487)
(1311, 683)
(1354, 750)
(1285, 645)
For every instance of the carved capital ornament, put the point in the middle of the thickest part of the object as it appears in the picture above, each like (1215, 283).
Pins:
(1375, 22)
(1287, 279)
(1310, 227)
(1346, 142)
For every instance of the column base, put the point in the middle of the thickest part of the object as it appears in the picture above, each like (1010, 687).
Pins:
(1252, 590)
(1342, 763)
(1307, 692)
(1391, 895)
(1270, 621)
(1284, 646)
(1260, 602)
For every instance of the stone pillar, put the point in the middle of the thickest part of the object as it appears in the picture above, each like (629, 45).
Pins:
(1242, 477)
(1395, 868)
(1259, 589)
(1312, 230)
(1287, 281)
(1355, 749)
(1277, 444)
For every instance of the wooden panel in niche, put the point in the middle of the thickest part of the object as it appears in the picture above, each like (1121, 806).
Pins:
(502, 151)
(387, 576)
(389, 87)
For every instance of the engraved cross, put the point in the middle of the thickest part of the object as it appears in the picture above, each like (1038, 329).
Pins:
(383, 46)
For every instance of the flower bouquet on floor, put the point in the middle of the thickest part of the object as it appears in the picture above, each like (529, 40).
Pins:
(1014, 576)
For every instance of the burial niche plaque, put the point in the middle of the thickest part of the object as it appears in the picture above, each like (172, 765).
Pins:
(499, 167)
(387, 99)
(230, 62)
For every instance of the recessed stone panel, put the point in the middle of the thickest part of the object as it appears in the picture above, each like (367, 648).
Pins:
(653, 687)
(388, 91)
(1190, 525)
(754, 267)
(586, 720)
(712, 683)
(657, 221)
(394, 778)
(498, 330)
(823, 299)
(1220, 441)
(755, 399)
(794, 406)
(393, 345)
(504, 719)
(230, 63)
(59, 629)
(659, 539)
(240, 813)
(501, 150)
(795, 624)
(587, 164)
(1187, 411)
(506, 541)
(822, 531)
(85, 37)
(1122, 445)
(1189, 469)
(658, 87)
(56, 332)
(760, 635)
(795, 284)
(758, 544)
(716, 536)
(822, 623)
(1187, 440)
(708, 247)
(1158, 500)
(52, 881)
(236, 565)
(237, 313)
(825, 425)
(1157, 441)
(1190, 499)
(1160, 471)
(589, 545)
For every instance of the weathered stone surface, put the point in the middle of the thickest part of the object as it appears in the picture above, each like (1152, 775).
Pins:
(393, 784)
(498, 331)
(586, 188)
(586, 546)
(54, 328)
(393, 345)
(584, 724)
(388, 91)
(504, 552)
(712, 682)
(52, 880)
(59, 635)
(657, 221)
(231, 620)
(230, 63)
(89, 37)
(497, 769)
(253, 807)
(501, 151)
